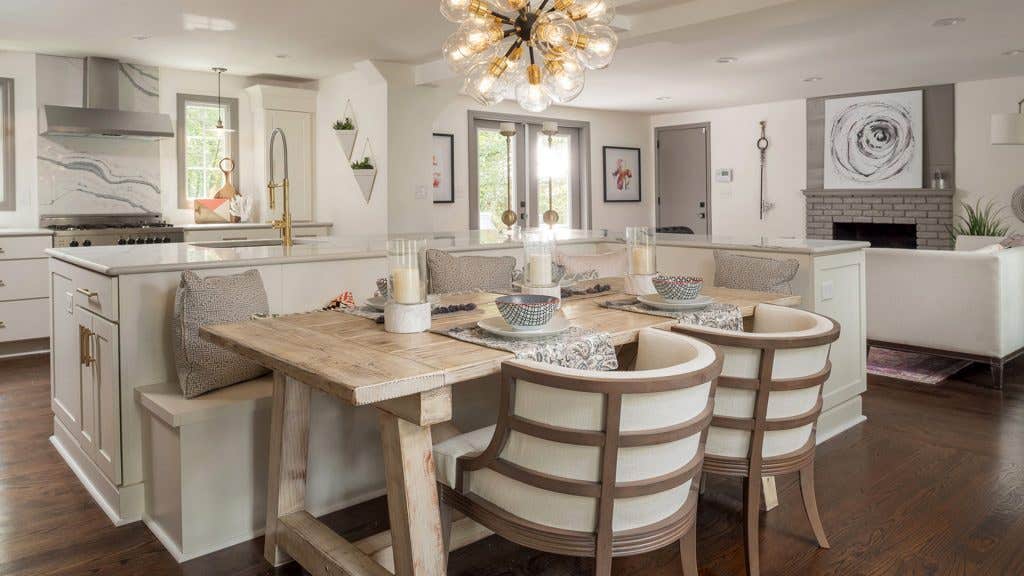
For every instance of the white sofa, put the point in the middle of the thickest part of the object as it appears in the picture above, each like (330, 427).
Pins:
(962, 304)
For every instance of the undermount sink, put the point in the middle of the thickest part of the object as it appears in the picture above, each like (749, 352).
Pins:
(237, 243)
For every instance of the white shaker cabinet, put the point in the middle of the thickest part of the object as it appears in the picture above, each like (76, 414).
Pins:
(99, 370)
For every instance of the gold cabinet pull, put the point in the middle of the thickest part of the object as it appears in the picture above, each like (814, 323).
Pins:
(88, 293)
(85, 356)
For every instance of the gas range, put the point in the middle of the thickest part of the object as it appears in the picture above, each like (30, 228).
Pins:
(115, 230)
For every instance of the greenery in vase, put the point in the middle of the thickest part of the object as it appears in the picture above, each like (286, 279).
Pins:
(344, 125)
(364, 164)
(979, 220)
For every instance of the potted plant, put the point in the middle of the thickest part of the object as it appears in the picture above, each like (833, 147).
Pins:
(365, 173)
(346, 133)
(979, 220)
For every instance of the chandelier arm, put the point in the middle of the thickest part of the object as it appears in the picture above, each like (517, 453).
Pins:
(542, 5)
(501, 17)
(513, 47)
(532, 59)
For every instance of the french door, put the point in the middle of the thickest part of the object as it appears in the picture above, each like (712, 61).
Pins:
(528, 172)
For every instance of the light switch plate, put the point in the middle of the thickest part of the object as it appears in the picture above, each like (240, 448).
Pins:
(827, 290)
(421, 192)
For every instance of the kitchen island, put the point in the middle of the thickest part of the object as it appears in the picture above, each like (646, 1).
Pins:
(122, 297)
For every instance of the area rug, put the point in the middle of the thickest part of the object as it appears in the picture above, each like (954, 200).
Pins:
(920, 368)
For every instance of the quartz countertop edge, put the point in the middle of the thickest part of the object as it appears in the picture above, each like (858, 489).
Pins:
(8, 232)
(252, 226)
(150, 258)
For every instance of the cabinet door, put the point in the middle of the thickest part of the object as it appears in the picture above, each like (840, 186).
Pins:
(65, 357)
(298, 130)
(86, 431)
(106, 377)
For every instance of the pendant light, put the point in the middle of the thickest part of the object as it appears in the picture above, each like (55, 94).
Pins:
(220, 129)
(1008, 129)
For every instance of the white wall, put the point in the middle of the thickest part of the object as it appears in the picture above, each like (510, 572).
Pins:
(734, 132)
(21, 66)
(986, 172)
(338, 197)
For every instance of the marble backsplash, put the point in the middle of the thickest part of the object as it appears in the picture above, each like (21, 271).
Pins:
(97, 175)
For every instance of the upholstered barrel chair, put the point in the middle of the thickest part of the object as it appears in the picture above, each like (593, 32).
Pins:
(767, 406)
(592, 464)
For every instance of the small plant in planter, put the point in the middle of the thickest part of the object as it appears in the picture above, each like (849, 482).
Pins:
(345, 124)
(345, 130)
(979, 220)
(364, 164)
(365, 174)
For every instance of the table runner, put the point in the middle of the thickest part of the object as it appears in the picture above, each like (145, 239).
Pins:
(577, 347)
(715, 315)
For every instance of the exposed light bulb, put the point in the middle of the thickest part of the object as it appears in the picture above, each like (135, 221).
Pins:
(531, 95)
(484, 82)
(596, 46)
(591, 11)
(554, 33)
(563, 79)
(459, 11)
(511, 5)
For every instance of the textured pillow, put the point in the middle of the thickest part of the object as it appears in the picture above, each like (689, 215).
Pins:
(1013, 241)
(448, 273)
(991, 248)
(607, 265)
(204, 366)
(754, 273)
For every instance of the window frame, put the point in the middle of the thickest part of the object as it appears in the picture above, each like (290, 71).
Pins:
(230, 121)
(528, 126)
(10, 197)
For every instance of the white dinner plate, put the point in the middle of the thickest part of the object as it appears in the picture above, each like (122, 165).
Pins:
(657, 301)
(496, 325)
(378, 302)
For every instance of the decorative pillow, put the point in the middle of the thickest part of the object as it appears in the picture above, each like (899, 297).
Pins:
(448, 273)
(754, 273)
(204, 366)
(1013, 241)
(607, 265)
(991, 248)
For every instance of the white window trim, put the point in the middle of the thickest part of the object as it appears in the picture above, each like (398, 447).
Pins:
(9, 201)
(231, 121)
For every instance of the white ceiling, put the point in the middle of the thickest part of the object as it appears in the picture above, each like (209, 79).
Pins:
(668, 47)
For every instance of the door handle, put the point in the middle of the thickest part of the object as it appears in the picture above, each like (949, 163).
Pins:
(87, 293)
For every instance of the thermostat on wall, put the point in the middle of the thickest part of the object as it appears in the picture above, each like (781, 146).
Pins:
(723, 175)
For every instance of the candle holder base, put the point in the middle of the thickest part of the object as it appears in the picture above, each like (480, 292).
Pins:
(553, 290)
(406, 318)
(639, 284)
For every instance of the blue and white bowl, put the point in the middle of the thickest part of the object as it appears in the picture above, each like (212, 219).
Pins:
(527, 310)
(678, 288)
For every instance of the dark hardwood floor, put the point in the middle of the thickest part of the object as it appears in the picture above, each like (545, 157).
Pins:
(933, 483)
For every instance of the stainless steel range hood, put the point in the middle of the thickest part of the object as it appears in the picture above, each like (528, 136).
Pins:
(100, 114)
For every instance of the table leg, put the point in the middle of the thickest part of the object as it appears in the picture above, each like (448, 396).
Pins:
(771, 494)
(413, 505)
(289, 447)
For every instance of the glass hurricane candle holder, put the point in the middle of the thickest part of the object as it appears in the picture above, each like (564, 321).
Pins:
(641, 246)
(538, 249)
(407, 272)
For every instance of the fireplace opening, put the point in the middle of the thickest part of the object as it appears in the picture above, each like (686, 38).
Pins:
(879, 235)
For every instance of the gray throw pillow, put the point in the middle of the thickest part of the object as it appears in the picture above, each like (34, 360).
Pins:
(754, 273)
(1013, 241)
(203, 366)
(462, 274)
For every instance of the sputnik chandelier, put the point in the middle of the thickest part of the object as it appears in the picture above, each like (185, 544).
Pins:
(509, 49)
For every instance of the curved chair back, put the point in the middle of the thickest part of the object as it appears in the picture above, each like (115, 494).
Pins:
(769, 395)
(584, 461)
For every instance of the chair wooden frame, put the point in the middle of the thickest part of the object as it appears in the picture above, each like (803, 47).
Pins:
(755, 465)
(604, 543)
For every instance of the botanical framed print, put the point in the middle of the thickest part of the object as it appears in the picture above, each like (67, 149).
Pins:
(622, 182)
(444, 169)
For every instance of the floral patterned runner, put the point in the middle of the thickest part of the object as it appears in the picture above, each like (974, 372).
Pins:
(577, 347)
(716, 315)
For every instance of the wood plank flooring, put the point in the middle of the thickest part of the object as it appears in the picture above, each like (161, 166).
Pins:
(933, 483)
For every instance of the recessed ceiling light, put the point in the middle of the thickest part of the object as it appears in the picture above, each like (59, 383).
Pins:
(1017, 52)
(726, 60)
(664, 98)
(281, 56)
(813, 79)
(946, 22)
(140, 37)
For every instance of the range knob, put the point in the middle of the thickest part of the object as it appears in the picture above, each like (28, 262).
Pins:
(131, 240)
(73, 244)
(87, 243)
(150, 240)
(122, 242)
(167, 240)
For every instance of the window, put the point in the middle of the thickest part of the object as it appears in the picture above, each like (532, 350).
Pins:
(7, 190)
(538, 170)
(200, 148)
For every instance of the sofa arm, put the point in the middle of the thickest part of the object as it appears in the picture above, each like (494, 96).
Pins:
(1011, 299)
(936, 299)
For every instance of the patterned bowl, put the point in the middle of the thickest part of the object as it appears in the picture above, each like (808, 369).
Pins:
(527, 310)
(677, 288)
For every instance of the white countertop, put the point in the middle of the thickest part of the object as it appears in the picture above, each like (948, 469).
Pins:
(145, 258)
(252, 225)
(25, 232)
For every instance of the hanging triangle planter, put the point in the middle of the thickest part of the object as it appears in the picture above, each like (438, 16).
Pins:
(347, 139)
(365, 178)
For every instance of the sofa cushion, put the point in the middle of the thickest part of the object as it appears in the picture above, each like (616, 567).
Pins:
(461, 274)
(755, 273)
(203, 366)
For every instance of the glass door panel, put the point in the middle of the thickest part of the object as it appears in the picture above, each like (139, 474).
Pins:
(494, 173)
(554, 178)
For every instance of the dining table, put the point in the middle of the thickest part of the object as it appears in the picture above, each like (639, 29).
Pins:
(408, 379)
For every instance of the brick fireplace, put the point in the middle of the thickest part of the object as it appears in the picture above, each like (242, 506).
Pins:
(929, 211)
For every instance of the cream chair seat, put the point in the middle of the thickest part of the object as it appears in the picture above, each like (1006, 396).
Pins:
(590, 463)
(767, 406)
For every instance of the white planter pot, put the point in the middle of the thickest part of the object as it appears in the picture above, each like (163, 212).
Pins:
(365, 179)
(347, 139)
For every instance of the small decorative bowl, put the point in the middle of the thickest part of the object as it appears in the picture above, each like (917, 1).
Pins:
(677, 288)
(527, 310)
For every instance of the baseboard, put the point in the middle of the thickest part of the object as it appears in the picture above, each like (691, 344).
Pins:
(91, 488)
(181, 556)
(326, 509)
(20, 348)
(839, 419)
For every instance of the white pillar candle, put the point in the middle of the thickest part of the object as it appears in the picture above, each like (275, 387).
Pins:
(642, 260)
(540, 269)
(406, 285)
